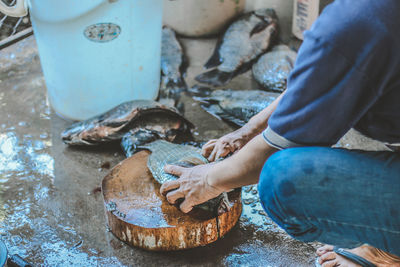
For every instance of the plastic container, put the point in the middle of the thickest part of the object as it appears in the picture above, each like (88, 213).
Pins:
(96, 54)
(305, 12)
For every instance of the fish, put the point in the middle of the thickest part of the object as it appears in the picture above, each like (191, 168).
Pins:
(173, 68)
(164, 153)
(273, 68)
(242, 43)
(137, 122)
(234, 106)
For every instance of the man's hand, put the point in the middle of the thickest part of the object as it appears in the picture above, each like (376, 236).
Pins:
(233, 142)
(192, 186)
(230, 143)
(201, 183)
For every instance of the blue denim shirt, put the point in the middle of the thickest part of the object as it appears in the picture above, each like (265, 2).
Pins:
(347, 75)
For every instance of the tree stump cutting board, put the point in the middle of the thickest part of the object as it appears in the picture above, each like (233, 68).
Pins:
(139, 215)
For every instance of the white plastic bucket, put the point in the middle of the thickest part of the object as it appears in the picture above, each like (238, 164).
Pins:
(96, 54)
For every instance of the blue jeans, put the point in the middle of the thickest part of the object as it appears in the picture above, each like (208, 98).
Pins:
(335, 196)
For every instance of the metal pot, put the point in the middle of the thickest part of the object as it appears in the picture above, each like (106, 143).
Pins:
(196, 18)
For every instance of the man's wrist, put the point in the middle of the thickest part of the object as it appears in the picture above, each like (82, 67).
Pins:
(215, 178)
(253, 128)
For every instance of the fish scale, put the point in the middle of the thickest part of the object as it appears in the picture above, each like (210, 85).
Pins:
(164, 153)
(173, 68)
(272, 69)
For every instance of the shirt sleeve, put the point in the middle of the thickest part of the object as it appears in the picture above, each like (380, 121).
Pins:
(327, 95)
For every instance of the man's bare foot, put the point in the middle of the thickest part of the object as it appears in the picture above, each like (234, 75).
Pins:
(328, 258)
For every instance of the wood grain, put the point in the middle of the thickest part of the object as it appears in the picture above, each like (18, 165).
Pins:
(139, 215)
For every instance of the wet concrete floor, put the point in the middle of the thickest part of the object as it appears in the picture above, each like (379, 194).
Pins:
(51, 211)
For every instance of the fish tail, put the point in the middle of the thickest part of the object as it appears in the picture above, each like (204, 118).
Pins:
(171, 91)
(215, 77)
(173, 87)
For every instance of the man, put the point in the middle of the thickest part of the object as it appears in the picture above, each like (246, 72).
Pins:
(347, 75)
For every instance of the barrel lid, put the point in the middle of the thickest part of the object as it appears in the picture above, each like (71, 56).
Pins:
(3, 253)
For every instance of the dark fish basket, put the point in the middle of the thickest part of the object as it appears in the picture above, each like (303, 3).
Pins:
(13, 29)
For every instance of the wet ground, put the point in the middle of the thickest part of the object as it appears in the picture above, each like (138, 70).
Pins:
(51, 211)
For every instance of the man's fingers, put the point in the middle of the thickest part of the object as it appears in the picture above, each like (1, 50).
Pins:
(211, 158)
(168, 186)
(186, 206)
(207, 148)
(174, 170)
(173, 196)
(222, 153)
(237, 145)
(210, 143)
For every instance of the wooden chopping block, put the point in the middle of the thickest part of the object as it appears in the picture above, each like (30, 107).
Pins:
(139, 215)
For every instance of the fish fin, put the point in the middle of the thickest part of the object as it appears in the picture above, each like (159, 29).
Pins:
(132, 141)
(259, 28)
(224, 204)
(215, 77)
(171, 91)
(215, 59)
(214, 110)
(200, 91)
(229, 118)
(185, 63)
(245, 67)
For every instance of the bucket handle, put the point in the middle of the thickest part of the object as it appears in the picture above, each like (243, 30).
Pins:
(18, 10)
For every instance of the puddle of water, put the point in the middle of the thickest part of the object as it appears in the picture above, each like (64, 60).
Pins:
(31, 223)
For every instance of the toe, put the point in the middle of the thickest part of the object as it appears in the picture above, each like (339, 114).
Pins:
(329, 256)
(332, 263)
(324, 249)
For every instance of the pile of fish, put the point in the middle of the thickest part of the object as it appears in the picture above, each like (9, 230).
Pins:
(135, 123)
(234, 106)
(247, 40)
(272, 69)
(173, 68)
(242, 43)
(164, 153)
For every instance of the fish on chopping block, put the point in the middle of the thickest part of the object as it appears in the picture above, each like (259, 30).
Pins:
(137, 122)
(164, 153)
(241, 44)
(272, 69)
(234, 106)
(173, 68)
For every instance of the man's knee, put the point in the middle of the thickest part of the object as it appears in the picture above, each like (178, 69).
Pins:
(287, 170)
(281, 173)
(281, 189)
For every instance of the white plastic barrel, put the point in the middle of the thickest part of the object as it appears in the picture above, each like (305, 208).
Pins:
(96, 54)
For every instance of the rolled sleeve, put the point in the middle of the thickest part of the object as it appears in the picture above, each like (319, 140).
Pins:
(277, 141)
